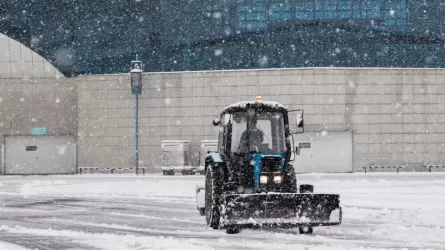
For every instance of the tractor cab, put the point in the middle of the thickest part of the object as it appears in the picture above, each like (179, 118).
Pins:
(254, 140)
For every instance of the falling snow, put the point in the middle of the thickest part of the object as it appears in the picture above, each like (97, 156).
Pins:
(370, 69)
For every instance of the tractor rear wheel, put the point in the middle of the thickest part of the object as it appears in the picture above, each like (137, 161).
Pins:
(213, 190)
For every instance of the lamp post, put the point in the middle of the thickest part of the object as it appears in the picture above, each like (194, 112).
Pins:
(136, 90)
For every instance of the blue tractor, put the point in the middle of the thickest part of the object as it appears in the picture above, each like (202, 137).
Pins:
(249, 181)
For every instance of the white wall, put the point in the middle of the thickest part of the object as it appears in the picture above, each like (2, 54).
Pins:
(325, 152)
(18, 61)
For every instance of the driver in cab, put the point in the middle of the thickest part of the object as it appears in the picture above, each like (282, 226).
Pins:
(256, 138)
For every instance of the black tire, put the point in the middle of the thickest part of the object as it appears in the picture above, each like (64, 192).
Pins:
(232, 230)
(164, 173)
(202, 211)
(290, 180)
(213, 190)
(306, 188)
(305, 230)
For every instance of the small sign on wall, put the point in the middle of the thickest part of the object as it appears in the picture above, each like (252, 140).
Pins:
(38, 131)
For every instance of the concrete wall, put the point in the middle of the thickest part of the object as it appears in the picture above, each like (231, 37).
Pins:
(33, 94)
(397, 115)
(170, 107)
(50, 103)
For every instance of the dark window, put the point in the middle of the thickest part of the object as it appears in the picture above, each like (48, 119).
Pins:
(31, 148)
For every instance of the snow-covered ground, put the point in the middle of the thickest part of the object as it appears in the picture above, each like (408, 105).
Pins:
(380, 210)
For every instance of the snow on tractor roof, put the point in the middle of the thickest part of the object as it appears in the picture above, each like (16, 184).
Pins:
(243, 104)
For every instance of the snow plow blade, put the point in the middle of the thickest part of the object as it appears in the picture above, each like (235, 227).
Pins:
(281, 210)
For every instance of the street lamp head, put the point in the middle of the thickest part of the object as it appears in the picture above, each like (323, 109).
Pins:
(136, 77)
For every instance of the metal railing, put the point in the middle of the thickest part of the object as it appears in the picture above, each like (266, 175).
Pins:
(382, 167)
(429, 167)
(112, 169)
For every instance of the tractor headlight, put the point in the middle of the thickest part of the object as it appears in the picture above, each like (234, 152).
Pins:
(277, 179)
(263, 179)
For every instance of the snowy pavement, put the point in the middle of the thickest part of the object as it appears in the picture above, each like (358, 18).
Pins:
(380, 210)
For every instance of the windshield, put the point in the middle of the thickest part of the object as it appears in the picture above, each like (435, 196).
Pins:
(265, 132)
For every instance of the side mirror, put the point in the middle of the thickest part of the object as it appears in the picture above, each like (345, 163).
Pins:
(300, 120)
(216, 122)
(297, 150)
(296, 118)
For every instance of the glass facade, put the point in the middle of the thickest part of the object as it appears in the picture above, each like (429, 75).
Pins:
(95, 37)
(258, 14)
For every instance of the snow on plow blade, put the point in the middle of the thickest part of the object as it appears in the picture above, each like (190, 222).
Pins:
(282, 210)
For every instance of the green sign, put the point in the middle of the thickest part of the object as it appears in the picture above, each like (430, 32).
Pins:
(38, 131)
